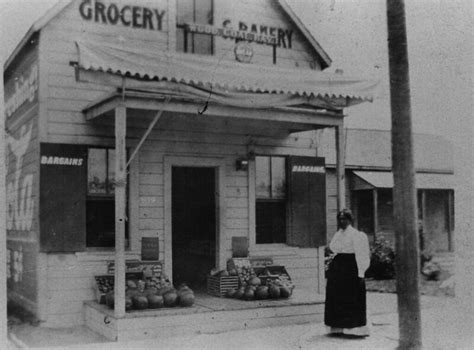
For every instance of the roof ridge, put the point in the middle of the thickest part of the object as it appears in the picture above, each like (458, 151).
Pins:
(35, 27)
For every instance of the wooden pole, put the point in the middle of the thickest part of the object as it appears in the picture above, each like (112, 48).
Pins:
(120, 200)
(3, 233)
(404, 192)
(375, 197)
(340, 168)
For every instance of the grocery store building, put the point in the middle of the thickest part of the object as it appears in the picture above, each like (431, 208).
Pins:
(167, 129)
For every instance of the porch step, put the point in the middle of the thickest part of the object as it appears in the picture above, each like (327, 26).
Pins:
(208, 315)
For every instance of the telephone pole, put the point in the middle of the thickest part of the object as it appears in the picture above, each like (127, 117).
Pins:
(404, 191)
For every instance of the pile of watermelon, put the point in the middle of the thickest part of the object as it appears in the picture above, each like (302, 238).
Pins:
(255, 290)
(139, 296)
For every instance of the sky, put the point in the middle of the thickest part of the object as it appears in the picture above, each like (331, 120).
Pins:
(354, 35)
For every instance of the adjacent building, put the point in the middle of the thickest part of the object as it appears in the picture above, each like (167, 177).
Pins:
(369, 183)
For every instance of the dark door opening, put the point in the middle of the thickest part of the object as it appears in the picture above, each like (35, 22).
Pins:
(193, 225)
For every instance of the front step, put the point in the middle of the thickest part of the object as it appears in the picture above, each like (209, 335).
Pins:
(208, 315)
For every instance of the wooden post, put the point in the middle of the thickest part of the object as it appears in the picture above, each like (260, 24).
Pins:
(404, 192)
(340, 167)
(423, 219)
(450, 221)
(376, 211)
(120, 205)
(3, 233)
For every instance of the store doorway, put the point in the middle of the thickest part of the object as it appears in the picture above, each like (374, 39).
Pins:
(193, 201)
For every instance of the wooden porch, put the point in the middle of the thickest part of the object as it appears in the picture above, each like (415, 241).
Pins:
(208, 315)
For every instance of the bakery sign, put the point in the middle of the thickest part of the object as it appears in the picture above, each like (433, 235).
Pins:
(258, 33)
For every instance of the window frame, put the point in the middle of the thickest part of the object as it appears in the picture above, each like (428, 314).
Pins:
(284, 200)
(96, 197)
(189, 38)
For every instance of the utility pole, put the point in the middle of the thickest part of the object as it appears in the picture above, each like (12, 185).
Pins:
(404, 191)
(3, 232)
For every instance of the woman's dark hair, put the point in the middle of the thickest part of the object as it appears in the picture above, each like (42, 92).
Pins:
(345, 213)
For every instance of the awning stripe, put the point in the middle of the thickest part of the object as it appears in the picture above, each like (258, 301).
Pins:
(151, 64)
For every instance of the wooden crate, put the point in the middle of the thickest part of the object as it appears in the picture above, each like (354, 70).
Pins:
(219, 285)
(105, 283)
(101, 289)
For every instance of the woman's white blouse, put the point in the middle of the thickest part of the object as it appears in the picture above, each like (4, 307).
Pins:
(351, 241)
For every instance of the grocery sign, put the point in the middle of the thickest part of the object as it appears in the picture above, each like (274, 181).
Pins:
(125, 15)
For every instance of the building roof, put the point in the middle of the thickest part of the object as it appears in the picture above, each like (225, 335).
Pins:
(371, 150)
(384, 179)
(62, 4)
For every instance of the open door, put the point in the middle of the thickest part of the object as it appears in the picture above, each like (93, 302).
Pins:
(193, 225)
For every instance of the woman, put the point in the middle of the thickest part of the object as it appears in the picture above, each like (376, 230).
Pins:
(345, 308)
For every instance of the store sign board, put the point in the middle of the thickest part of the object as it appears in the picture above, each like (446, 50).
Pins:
(126, 15)
(243, 52)
(240, 247)
(21, 269)
(20, 197)
(150, 248)
(21, 89)
(308, 169)
(258, 33)
(134, 266)
(63, 184)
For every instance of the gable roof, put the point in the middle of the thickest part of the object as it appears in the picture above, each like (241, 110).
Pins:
(326, 60)
(62, 4)
(36, 27)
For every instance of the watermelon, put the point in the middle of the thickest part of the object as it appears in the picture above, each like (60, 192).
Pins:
(155, 301)
(170, 298)
(274, 292)
(285, 292)
(140, 302)
(261, 292)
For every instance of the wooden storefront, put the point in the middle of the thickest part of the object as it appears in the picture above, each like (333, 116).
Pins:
(165, 128)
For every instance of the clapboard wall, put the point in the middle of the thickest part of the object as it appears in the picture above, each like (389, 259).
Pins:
(22, 176)
(68, 279)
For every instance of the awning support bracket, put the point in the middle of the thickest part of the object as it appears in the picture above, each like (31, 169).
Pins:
(147, 132)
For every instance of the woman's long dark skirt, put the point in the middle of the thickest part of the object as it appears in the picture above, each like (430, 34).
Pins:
(345, 305)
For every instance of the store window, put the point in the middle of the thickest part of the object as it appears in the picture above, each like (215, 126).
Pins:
(271, 199)
(198, 12)
(100, 201)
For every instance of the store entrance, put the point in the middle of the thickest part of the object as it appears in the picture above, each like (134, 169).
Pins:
(193, 225)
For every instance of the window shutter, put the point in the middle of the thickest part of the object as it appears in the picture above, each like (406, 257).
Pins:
(63, 198)
(307, 201)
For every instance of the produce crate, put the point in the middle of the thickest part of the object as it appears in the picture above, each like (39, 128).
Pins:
(271, 273)
(219, 285)
(105, 283)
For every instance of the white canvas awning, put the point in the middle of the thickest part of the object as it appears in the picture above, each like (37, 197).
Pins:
(230, 82)
(384, 179)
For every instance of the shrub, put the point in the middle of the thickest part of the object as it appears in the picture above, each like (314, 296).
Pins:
(431, 270)
(382, 260)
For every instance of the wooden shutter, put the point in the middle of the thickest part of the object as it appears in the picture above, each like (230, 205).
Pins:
(63, 179)
(307, 202)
